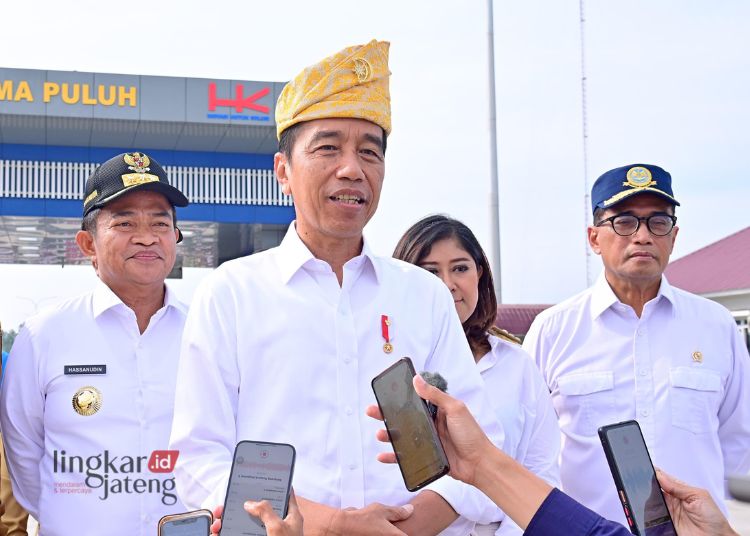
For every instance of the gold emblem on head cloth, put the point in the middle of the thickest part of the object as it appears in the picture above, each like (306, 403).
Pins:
(698, 356)
(362, 69)
(639, 177)
(87, 401)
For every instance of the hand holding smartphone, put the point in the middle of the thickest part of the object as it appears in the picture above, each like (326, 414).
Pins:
(635, 478)
(260, 471)
(410, 426)
(196, 523)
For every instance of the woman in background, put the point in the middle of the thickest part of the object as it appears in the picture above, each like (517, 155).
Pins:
(519, 396)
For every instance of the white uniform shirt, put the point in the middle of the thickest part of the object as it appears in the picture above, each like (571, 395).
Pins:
(50, 446)
(681, 370)
(275, 350)
(523, 406)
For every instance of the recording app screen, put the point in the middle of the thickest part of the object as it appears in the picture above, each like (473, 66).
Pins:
(639, 480)
(196, 526)
(409, 426)
(261, 471)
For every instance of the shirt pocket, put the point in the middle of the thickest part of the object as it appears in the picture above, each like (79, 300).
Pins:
(588, 401)
(694, 396)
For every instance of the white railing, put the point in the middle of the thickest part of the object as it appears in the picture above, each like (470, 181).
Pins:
(66, 180)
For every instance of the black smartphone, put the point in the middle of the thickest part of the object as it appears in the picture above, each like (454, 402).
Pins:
(410, 427)
(260, 471)
(196, 523)
(635, 478)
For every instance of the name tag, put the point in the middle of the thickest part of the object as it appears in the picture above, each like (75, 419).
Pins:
(85, 369)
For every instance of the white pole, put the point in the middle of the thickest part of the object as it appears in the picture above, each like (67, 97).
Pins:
(494, 249)
(585, 130)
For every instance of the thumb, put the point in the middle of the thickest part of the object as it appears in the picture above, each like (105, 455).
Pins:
(673, 486)
(399, 513)
(262, 510)
(429, 392)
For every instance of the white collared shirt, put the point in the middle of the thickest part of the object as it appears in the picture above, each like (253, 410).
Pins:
(523, 406)
(681, 370)
(50, 446)
(275, 350)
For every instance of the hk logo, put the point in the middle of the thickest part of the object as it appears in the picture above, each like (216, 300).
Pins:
(163, 461)
(239, 102)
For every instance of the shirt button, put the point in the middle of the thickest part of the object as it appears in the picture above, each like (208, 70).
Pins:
(644, 412)
(349, 411)
(352, 467)
(643, 372)
(639, 332)
(347, 360)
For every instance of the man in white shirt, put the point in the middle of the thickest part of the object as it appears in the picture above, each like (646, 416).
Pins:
(634, 347)
(86, 404)
(282, 345)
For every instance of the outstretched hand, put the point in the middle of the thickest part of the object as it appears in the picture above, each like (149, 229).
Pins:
(464, 441)
(693, 510)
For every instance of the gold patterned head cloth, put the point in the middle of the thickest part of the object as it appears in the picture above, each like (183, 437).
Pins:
(352, 83)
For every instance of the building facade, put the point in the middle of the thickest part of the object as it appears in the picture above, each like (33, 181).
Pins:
(215, 138)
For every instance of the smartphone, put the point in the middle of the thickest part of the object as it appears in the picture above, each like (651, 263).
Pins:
(196, 523)
(260, 471)
(635, 478)
(410, 427)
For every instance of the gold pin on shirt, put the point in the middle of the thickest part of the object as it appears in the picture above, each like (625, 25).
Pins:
(698, 356)
(385, 323)
(87, 401)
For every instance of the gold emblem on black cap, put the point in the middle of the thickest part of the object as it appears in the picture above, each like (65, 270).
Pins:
(362, 69)
(91, 197)
(87, 401)
(139, 163)
(639, 177)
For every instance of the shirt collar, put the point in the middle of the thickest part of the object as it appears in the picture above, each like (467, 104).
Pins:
(603, 297)
(294, 254)
(490, 358)
(104, 299)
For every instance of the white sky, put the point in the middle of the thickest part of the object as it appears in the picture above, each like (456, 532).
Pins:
(667, 83)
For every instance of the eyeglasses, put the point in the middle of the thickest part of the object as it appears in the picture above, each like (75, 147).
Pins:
(627, 224)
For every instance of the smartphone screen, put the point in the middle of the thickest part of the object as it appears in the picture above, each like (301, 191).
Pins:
(412, 432)
(196, 523)
(260, 471)
(635, 478)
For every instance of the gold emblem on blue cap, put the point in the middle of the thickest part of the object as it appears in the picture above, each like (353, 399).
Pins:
(87, 401)
(139, 163)
(639, 177)
(362, 69)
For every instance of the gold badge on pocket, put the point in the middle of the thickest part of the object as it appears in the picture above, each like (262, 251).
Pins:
(87, 401)
(698, 356)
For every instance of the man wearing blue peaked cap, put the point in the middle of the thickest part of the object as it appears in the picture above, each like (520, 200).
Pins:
(634, 347)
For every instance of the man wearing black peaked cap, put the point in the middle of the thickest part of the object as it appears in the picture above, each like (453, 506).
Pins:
(87, 401)
(634, 347)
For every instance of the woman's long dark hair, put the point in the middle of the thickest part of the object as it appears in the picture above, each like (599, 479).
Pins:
(416, 244)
